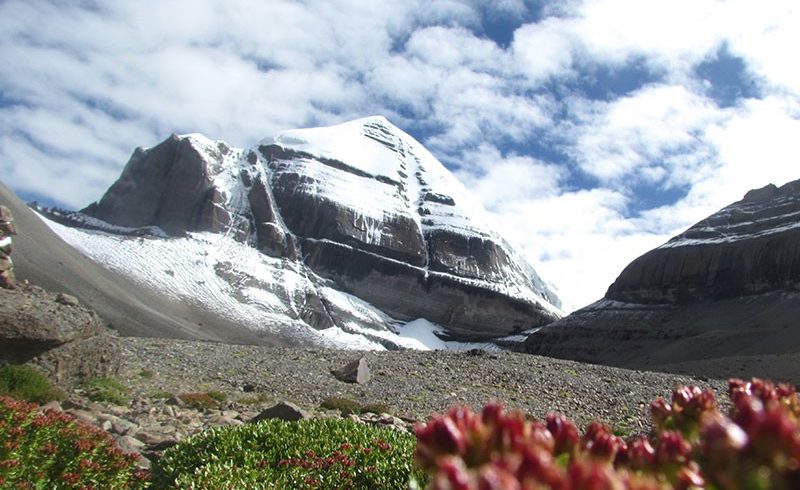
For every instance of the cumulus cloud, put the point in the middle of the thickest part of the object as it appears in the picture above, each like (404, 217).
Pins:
(653, 134)
(557, 162)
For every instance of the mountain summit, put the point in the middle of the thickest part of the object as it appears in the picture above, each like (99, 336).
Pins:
(359, 231)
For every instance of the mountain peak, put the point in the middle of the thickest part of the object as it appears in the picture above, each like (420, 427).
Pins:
(359, 208)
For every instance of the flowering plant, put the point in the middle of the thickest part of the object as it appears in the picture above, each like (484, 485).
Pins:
(695, 445)
(50, 449)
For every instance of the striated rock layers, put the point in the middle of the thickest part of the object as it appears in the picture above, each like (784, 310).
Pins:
(727, 286)
(362, 204)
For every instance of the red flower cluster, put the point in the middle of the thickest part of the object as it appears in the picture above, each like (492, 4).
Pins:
(46, 448)
(695, 446)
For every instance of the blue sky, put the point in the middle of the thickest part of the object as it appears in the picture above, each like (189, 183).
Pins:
(592, 130)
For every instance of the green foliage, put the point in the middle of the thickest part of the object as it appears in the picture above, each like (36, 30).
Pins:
(26, 383)
(107, 390)
(203, 400)
(274, 454)
(347, 406)
(49, 449)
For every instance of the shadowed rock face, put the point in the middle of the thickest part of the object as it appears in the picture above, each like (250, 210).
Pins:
(749, 247)
(391, 233)
(167, 186)
(729, 285)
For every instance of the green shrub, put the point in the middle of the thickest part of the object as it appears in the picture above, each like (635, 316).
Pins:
(107, 390)
(25, 383)
(49, 449)
(274, 454)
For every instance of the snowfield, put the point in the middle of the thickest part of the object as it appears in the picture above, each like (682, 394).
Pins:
(245, 286)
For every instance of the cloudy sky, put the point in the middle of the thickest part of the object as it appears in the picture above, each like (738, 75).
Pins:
(594, 130)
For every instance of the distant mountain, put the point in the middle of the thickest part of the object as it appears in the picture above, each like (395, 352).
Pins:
(727, 286)
(349, 235)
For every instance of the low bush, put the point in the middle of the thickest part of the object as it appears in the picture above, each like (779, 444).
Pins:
(274, 454)
(755, 446)
(203, 400)
(107, 390)
(25, 383)
(49, 449)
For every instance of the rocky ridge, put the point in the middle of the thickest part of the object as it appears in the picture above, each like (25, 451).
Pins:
(727, 287)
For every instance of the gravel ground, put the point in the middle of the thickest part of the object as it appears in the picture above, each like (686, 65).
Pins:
(414, 384)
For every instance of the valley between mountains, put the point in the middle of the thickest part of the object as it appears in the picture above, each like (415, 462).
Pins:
(255, 273)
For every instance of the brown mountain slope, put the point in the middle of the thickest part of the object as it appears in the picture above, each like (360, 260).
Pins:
(44, 259)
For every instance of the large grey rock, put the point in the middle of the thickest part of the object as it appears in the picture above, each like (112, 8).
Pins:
(354, 372)
(33, 321)
(283, 410)
(727, 286)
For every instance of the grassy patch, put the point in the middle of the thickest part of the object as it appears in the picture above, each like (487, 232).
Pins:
(203, 400)
(107, 390)
(26, 383)
(274, 454)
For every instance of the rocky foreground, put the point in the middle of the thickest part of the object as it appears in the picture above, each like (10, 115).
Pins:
(411, 385)
(407, 386)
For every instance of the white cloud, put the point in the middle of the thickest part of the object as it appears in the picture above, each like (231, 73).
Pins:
(82, 85)
(545, 49)
(503, 180)
(651, 135)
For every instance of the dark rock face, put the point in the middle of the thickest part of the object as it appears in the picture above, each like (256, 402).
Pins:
(166, 186)
(388, 231)
(311, 215)
(470, 312)
(749, 247)
(729, 285)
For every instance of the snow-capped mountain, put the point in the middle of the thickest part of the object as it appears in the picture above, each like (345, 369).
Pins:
(337, 235)
(729, 285)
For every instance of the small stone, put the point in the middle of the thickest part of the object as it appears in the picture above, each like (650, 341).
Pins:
(67, 299)
(283, 410)
(231, 414)
(155, 440)
(130, 444)
(53, 405)
(354, 372)
(84, 416)
(174, 400)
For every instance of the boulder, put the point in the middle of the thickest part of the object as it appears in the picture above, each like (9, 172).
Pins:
(33, 321)
(354, 372)
(283, 410)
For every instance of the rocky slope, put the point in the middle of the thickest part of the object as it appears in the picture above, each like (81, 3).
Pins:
(43, 258)
(359, 228)
(728, 286)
